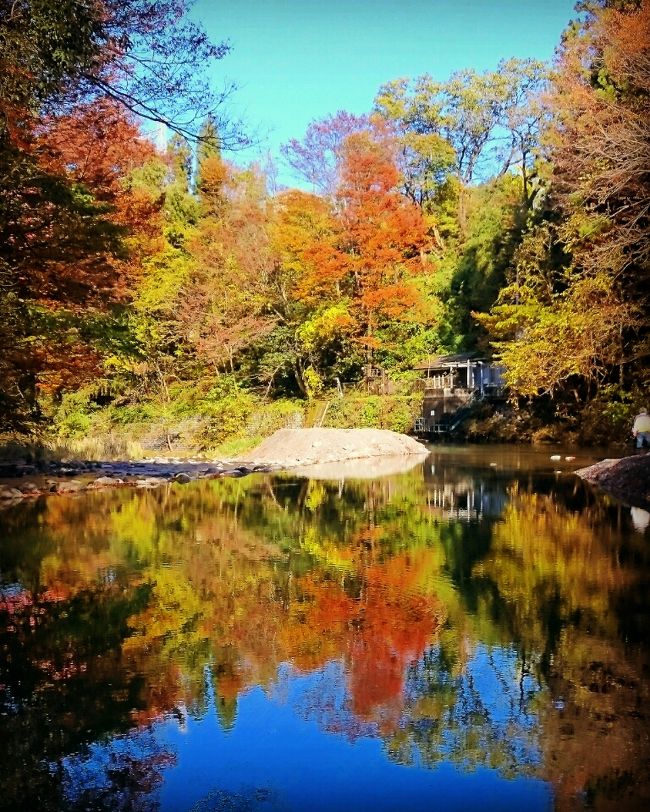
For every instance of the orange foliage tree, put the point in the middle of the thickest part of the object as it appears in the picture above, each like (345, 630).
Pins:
(381, 244)
(224, 305)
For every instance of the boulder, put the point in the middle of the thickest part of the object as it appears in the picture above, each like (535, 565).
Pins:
(627, 478)
(11, 493)
(106, 481)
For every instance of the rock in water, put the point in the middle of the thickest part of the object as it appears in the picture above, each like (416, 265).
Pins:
(628, 478)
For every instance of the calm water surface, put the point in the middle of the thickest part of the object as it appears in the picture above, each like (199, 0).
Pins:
(468, 634)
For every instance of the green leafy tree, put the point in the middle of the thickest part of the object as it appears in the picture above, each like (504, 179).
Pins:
(460, 126)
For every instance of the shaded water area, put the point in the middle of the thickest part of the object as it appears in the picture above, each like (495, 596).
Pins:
(468, 634)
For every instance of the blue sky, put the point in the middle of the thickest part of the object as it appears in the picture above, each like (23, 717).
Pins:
(298, 60)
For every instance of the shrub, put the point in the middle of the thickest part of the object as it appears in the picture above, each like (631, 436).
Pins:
(74, 416)
(608, 417)
(275, 415)
(394, 412)
(227, 407)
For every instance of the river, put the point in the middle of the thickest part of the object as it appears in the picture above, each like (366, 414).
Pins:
(468, 633)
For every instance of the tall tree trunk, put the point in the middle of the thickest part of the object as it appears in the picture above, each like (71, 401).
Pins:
(524, 178)
(297, 371)
(462, 211)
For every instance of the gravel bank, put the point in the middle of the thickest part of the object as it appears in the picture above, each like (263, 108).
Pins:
(74, 476)
(628, 479)
(290, 448)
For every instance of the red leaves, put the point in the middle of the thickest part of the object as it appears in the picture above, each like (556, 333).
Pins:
(67, 223)
(366, 246)
(384, 234)
(96, 145)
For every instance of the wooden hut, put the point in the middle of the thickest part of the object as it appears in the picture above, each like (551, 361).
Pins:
(451, 383)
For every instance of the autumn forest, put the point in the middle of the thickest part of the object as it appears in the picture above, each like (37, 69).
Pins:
(172, 286)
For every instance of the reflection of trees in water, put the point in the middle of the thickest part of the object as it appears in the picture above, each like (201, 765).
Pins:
(122, 775)
(482, 716)
(450, 638)
(63, 685)
(578, 599)
(595, 734)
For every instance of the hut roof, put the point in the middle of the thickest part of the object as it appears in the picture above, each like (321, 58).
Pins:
(447, 361)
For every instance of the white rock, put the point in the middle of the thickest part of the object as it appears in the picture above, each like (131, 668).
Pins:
(11, 493)
(103, 481)
(148, 482)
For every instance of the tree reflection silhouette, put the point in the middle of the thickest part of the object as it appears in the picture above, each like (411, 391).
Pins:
(508, 634)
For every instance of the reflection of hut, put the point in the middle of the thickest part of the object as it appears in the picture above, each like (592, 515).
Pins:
(454, 494)
(451, 383)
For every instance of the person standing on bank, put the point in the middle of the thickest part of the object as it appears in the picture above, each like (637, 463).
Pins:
(641, 428)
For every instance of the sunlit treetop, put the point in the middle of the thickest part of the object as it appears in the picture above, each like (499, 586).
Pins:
(145, 54)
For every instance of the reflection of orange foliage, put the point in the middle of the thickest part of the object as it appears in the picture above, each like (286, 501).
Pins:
(230, 685)
(163, 691)
(57, 592)
(232, 597)
(379, 634)
(318, 623)
(396, 623)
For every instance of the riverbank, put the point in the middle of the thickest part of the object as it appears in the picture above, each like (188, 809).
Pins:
(285, 449)
(628, 478)
(74, 476)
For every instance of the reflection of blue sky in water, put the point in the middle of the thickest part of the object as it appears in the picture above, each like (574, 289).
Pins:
(463, 629)
(491, 717)
(299, 746)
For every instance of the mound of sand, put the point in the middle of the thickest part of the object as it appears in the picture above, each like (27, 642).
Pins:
(290, 448)
(372, 468)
